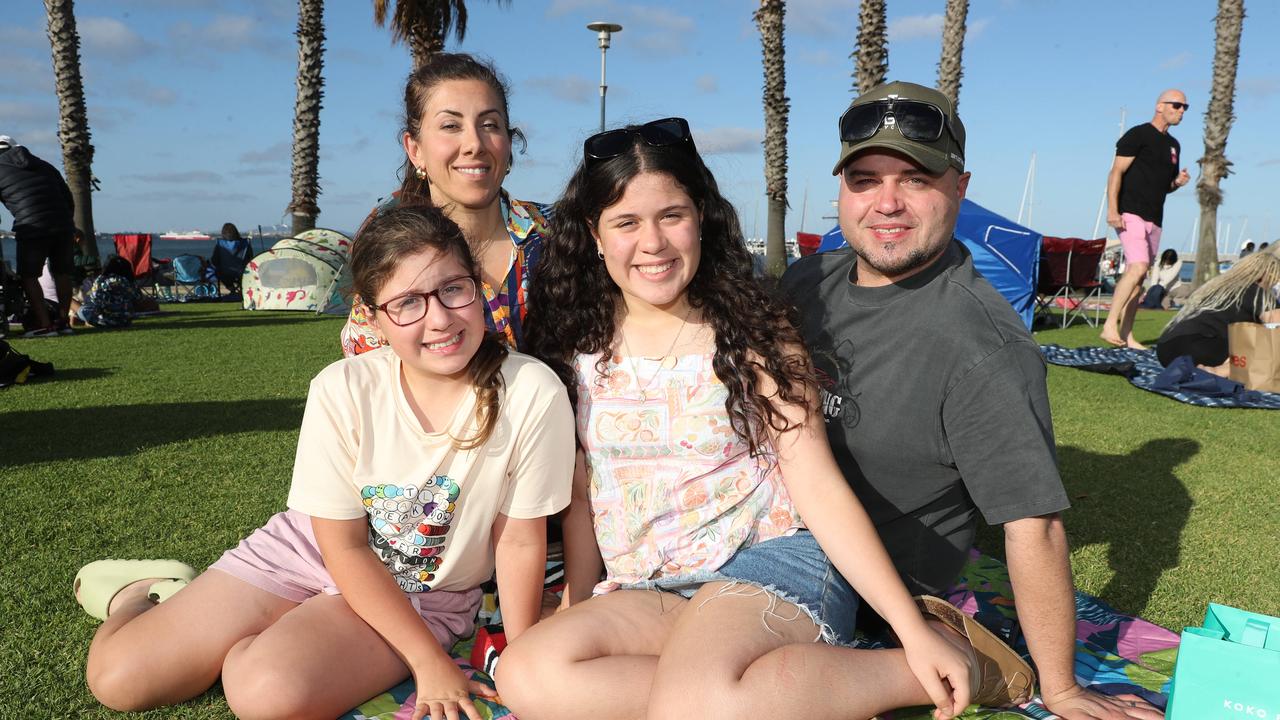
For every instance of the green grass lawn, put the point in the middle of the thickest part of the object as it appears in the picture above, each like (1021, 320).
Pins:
(175, 438)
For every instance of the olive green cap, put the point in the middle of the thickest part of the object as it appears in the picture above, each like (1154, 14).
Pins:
(936, 157)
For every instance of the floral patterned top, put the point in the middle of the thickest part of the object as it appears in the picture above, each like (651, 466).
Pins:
(504, 309)
(674, 491)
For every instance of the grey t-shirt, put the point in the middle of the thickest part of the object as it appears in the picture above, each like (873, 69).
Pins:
(935, 401)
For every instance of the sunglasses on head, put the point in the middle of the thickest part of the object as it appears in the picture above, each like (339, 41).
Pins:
(915, 119)
(1177, 105)
(672, 131)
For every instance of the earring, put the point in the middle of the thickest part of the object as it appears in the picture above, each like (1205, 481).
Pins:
(599, 254)
(419, 173)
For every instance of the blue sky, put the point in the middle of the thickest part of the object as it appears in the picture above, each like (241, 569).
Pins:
(191, 101)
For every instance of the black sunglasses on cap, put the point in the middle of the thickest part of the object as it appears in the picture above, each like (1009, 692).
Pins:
(659, 133)
(915, 119)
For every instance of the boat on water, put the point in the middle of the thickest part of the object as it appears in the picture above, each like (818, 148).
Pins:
(189, 235)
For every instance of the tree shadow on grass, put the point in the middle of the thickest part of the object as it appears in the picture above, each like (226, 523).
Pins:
(73, 374)
(36, 436)
(1136, 505)
(185, 321)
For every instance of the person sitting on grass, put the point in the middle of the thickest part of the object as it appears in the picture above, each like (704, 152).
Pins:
(712, 500)
(420, 467)
(1245, 293)
(111, 298)
(1162, 280)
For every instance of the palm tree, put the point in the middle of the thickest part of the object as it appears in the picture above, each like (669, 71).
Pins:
(1214, 166)
(306, 115)
(871, 54)
(950, 67)
(769, 19)
(73, 121)
(423, 24)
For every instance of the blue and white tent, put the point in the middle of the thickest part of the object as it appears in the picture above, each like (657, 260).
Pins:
(1006, 253)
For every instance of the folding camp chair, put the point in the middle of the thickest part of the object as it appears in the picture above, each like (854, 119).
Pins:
(1069, 279)
(136, 248)
(195, 275)
(229, 260)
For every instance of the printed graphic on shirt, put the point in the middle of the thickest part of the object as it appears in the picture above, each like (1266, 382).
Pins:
(1173, 153)
(834, 368)
(407, 528)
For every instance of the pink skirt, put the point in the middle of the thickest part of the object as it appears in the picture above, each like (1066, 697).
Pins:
(282, 558)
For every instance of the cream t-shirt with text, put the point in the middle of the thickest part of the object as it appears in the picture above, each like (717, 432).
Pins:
(431, 507)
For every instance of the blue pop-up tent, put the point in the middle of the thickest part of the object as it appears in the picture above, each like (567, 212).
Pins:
(1006, 253)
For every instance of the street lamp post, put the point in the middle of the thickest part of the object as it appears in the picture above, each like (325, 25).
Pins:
(603, 31)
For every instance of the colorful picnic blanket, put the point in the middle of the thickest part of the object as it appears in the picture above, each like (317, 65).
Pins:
(1142, 368)
(1115, 653)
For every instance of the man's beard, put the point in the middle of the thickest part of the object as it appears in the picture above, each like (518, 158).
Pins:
(897, 266)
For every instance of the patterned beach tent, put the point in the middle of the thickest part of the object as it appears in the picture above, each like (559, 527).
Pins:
(308, 273)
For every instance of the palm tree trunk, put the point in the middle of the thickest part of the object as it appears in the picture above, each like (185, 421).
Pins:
(306, 115)
(951, 66)
(769, 19)
(73, 121)
(1218, 117)
(871, 54)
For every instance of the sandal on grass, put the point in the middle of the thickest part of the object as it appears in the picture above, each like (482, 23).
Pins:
(1000, 677)
(99, 581)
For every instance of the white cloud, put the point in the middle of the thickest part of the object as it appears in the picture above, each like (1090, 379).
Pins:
(147, 93)
(823, 18)
(230, 31)
(111, 39)
(572, 88)
(564, 7)
(929, 27)
(24, 74)
(1176, 61)
(728, 140)
(707, 84)
(281, 152)
(185, 177)
(915, 27)
(14, 36)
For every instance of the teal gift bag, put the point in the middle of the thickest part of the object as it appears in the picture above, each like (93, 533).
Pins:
(1229, 669)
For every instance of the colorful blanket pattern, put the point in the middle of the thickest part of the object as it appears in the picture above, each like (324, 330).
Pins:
(1115, 654)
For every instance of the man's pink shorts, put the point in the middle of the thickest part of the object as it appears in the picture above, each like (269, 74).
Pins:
(282, 558)
(1140, 239)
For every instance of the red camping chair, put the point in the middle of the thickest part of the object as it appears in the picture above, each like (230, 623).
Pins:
(136, 248)
(808, 243)
(1069, 278)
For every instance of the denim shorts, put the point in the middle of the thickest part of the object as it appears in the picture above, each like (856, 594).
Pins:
(792, 568)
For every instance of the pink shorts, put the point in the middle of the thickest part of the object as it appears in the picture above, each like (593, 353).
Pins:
(1140, 239)
(282, 558)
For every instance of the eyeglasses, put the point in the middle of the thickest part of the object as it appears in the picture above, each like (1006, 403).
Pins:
(659, 133)
(915, 119)
(1177, 105)
(411, 307)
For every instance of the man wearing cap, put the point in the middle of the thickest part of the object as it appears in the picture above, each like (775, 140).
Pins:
(933, 391)
(40, 201)
(1144, 172)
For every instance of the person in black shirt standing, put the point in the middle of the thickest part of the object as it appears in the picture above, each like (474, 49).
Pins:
(1144, 172)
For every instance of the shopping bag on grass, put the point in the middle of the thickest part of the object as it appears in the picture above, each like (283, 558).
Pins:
(1255, 355)
(1229, 669)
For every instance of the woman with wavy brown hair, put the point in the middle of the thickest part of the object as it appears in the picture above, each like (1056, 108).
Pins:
(706, 491)
(420, 468)
(458, 143)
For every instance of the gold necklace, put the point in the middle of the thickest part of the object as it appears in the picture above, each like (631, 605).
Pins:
(667, 360)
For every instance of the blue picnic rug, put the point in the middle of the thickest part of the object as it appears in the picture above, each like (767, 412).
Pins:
(1142, 368)
(1115, 653)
